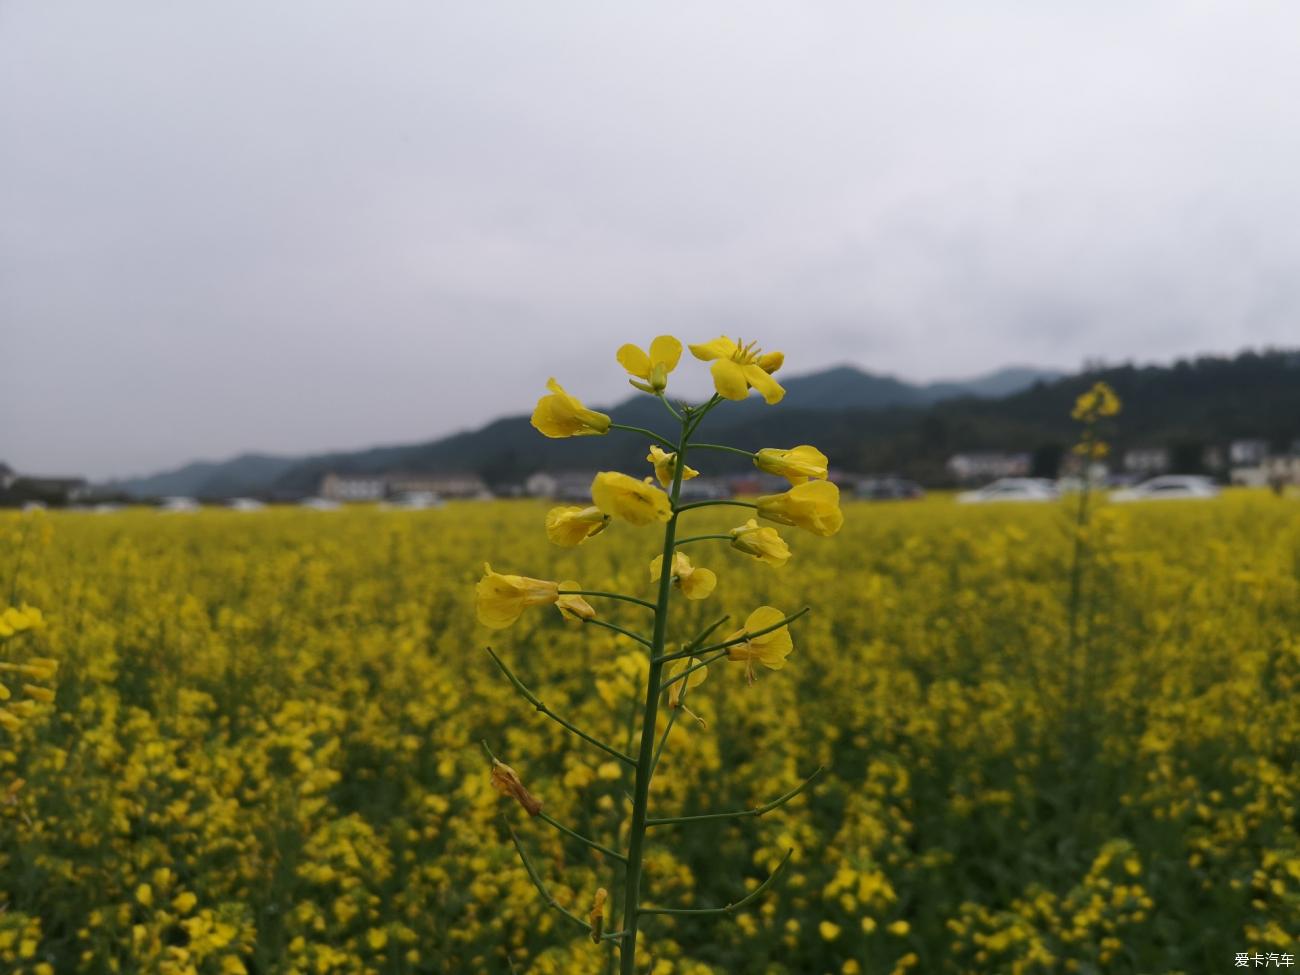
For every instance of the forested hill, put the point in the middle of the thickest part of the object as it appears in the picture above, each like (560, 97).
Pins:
(877, 424)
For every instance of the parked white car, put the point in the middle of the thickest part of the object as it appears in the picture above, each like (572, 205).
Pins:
(178, 505)
(1168, 487)
(1011, 489)
(319, 504)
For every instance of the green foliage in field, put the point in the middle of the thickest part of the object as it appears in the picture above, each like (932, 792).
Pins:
(263, 753)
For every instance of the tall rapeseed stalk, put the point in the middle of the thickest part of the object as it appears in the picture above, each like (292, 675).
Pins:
(811, 503)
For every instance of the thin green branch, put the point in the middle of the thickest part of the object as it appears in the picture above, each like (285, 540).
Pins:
(532, 699)
(618, 629)
(701, 538)
(662, 441)
(710, 503)
(698, 415)
(663, 399)
(659, 749)
(730, 908)
(776, 803)
(583, 839)
(693, 667)
(707, 631)
(608, 595)
(719, 446)
(672, 718)
(548, 896)
(737, 639)
(541, 887)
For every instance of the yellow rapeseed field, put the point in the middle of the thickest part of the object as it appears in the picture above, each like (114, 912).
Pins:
(263, 752)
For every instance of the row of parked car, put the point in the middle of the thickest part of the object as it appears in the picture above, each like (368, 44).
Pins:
(1164, 487)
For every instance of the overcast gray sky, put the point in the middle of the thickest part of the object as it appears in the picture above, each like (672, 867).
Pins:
(289, 226)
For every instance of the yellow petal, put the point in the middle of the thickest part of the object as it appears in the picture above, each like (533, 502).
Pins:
(729, 379)
(772, 390)
(570, 525)
(635, 361)
(665, 351)
(699, 583)
(574, 609)
(678, 688)
(625, 497)
(763, 617)
(720, 348)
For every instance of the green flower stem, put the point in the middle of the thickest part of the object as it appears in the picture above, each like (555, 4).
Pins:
(582, 839)
(607, 595)
(776, 803)
(703, 538)
(724, 447)
(662, 441)
(708, 504)
(548, 897)
(532, 699)
(659, 750)
(693, 667)
(708, 630)
(730, 908)
(672, 718)
(669, 406)
(737, 639)
(699, 414)
(649, 718)
(618, 629)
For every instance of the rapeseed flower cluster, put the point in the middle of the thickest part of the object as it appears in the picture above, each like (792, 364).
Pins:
(812, 503)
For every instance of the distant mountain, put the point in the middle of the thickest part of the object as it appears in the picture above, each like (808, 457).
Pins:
(508, 449)
(245, 474)
(864, 422)
(1003, 382)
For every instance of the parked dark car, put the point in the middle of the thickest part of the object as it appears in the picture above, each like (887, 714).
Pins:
(889, 489)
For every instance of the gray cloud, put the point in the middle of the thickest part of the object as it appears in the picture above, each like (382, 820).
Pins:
(315, 224)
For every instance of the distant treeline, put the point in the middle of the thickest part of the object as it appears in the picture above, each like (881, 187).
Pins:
(1186, 407)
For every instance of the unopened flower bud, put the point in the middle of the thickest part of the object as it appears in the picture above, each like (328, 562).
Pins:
(506, 781)
(597, 916)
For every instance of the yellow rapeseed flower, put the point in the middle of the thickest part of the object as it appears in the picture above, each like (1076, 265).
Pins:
(1097, 402)
(770, 649)
(625, 497)
(678, 688)
(507, 782)
(764, 544)
(563, 415)
(572, 607)
(694, 679)
(666, 466)
(570, 525)
(737, 367)
(501, 598)
(653, 368)
(42, 668)
(17, 619)
(813, 506)
(693, 582)
(796, 465)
